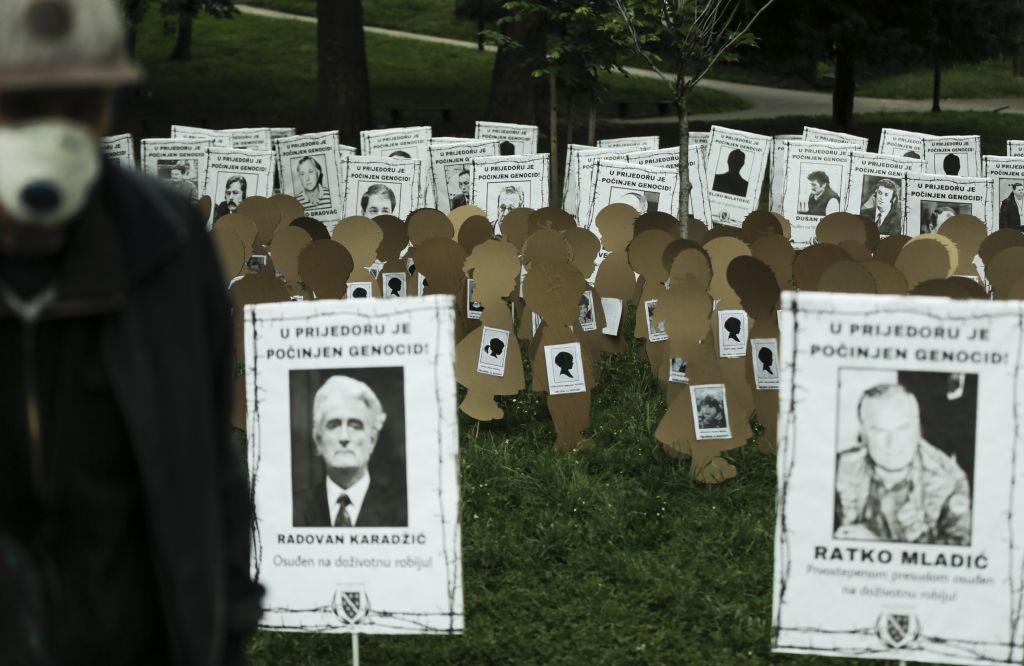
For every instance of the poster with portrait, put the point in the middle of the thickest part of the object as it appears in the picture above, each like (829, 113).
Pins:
(233, 175)
(380, 186)
(353, 465)
(564, 368)
(1007, 175)
(1015, 148)
(898, 520)
(217, 138)
(570, 181)
(736, 165)
(586, 161)
(119, 149)
(953, 155)
(933, 199)
(816, 175)
(777, 170)
(710, 407)
(180, 162)
(450, 170)
(630, 144)
(502, 184)
(764, 356)
(512, 139)
(901, 143)
(876, 188)
(251, 138)
(309, 170)
(668, 158)
(493, 348)
(407, 142)
(839, 138)
(647, 189)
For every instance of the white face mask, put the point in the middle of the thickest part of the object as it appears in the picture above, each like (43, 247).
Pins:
(47, 170)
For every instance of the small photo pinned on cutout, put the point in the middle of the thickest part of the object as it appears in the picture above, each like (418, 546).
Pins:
(359, 290)
(588, 320)
(565, 368)
(393, 285)
(612, 315)
(710, 411)
(764, 354)
(732, 333)
(535, 321)
(493, 345)
(256, 262)
(677, 370)
(654, 334)
(473, 308)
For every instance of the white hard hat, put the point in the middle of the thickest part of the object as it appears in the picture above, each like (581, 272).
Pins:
(58, 44)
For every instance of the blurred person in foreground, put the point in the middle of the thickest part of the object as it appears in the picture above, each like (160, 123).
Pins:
(124, 521)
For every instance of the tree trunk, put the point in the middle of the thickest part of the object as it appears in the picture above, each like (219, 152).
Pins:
(592, 121)
(937, 87)
(683, 205)
(569, 118)
(553, 163)
(134, 10)
(343, 79)
(1018, 61)
(844, 90)
(183, 44)
(514, 91)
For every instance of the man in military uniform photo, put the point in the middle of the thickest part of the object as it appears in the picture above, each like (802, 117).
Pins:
(896, 486)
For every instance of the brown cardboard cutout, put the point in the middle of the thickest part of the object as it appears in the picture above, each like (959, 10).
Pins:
(997, 242)
(967, 232)
(585, 246)
(973, 289)
(288, 207)
(889, 248)
(697, 231)
(754, 283)
(463, 213)
(723, 250)
(242, 227)
(644, 254)
(546, 245)
(324, 267)
(871, 233)
(494, 265)
(514, 226)
(778, 253)
(254, 288)
(440, 261)
(288, 242)
(473, 231)
(721, 232)
(615, 278)
(692, 264)
(428, 223)
(927, 257)
(837, 227)
(230, 251)
(1015, 292)
(265, 214)
(945, 288)
(675, 247)
(812, 261)
(857, 251)
(760, 223)
(553, 291)
(847, 277)
(550, 217)
(887, 279)
(616, 223)
(658, 220)
(315, 229)
(361, 237)
(1004, 269)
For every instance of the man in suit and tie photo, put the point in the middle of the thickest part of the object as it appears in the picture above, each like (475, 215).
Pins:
(347, 421)
(883, 206)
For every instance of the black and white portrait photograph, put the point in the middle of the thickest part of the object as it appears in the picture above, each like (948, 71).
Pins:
(565, 368)
(934, 213)
(732, 333)
(348, 448)
(587, 316)
(502, 198)
(710, 411)
(764, 355)
(378, 198)
(820, 189)
(359, 290)
(393, 285)
(905, 469)
(677, 370)
(233, 190)
(311, 185)
(655, 333)
(182, 174)
(459, 183)
(1011, 202)
(493, 345)
(882, 203)
(473, 308)
(732, 173)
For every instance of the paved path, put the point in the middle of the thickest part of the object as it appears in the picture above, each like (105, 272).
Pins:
(764, 101)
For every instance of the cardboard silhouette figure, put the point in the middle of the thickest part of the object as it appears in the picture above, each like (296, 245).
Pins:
(658, 220)
(361, 237)
(289, 209)
(760, 223)
(324, 268)
(997, 242)
(722, 251)
(967, 233)
(889, 248)
(888, 280)
(316, 230)
(288, 242)
(675, 247)
(514, 226)
(550, 217)
(473, 231)
(847, 277)
(459, 215)
(685, 311)
(545, 245)
(494, 265)
(265, 214)
(553, 290)
(812, 261)
(1004, 270)
(927, 257)
(427, 223)
(243, 227)
(585, 246)
(778, 254)
(615, 278)
(645, 253)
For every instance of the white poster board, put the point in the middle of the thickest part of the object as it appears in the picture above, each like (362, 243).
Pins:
(902, 143)
(816, 174)
(631, 144)
(120, 150)
(898, 524)
(381, 186)
(251, 138)
(1007, 175)
(877, 187)
(586, 159)
(777, 170)
(1015, 148)
(512, 139)
(502, 184)
(407, 142)
(668, 158)
(953, 155)
(647, 189)
(450, 171)
(181, 162)
(828, 136)
(360, 536)
(217, 138)
(309, 170)
(736, 165)
(570, 181)
(234, 175)
(932, 199)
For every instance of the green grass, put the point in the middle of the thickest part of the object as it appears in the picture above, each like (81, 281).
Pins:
(256, 71)
(987, 79)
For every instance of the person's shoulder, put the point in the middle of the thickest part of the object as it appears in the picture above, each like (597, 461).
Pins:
(938, 462)
(852, 461)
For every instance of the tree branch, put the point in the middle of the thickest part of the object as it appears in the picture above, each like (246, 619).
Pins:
(640, 50)
(694, 80)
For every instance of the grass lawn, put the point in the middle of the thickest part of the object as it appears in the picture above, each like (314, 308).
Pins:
(255, 71)
(990, 78)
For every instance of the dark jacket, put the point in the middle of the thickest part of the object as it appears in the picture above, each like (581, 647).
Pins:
(165, 348)
(892, 223)
(1009, 215)
(381, 507)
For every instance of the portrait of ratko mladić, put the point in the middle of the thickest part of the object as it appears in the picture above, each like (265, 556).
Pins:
(348, 448)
